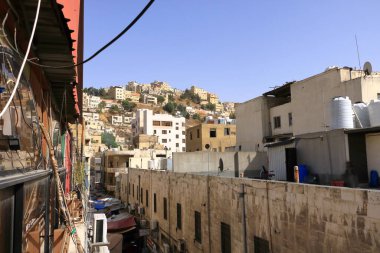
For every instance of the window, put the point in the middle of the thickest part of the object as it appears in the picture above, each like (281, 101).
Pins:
(154, 203)
(183, 141)
(142, 196)
(225, 234)
(177, 145)
(166, 123)
(198, 133)
(261, 245)
(290, 117)
(179, 216)
(378, 96)
(183, 133)
(154, 131)
(197, 226)
(212, 132)
(191, 135)
(277, 122)
(147, 198)
(164, 131)
(164, 141)
(165, 209)
(137, 192)
(133, 190)
(176, 128)
(156, 123)
(226, 131)
(183, 149)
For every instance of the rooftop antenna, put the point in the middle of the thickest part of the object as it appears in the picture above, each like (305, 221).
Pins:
(357, 51)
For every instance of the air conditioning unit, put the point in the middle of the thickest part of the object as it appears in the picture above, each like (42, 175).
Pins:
(181, 246)
(100, 228)
(153, 224)
(141, 210)
(166, 248)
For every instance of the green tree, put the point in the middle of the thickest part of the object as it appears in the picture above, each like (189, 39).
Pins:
(196, 116)
(114, 109)
(109, 140)
(101, 105)
(160, 99)
(170, 107)
(128, 105)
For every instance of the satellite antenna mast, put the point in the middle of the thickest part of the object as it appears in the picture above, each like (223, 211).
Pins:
(357, 51)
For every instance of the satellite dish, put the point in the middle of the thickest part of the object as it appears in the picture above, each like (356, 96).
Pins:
(367, 68)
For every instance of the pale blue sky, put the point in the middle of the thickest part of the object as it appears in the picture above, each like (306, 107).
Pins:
(236, 48)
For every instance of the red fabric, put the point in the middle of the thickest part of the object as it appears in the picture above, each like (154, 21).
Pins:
(67, 163)
(121, 224)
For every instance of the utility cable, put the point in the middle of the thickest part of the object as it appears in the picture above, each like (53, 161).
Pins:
(24, 60)
(134, 21)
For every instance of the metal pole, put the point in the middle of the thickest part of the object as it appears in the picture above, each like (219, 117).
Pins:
(47, 217)
(244, 227)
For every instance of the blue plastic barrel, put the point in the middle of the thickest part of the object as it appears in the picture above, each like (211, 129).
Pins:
(302, 171)
(373, 179)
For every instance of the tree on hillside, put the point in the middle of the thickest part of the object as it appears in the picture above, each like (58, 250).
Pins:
(209, 106)
(160, 99)
(109, 140)
(101, 105)
(170, 107)
(188, 94)
(196, 116)
(114, 109)
(171, 98)
(128, 105)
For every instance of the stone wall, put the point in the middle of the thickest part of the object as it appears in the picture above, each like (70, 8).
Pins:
(289, 217)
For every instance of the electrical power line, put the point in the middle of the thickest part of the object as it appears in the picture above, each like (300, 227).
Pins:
(134, 21)
(24, 60)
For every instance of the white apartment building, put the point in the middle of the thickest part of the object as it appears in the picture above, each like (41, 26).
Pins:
(91, 116)
(117, 92)
(170, 130)
(148, 99)
(117, 120)
(90, 101)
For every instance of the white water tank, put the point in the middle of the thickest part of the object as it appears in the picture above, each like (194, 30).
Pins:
(374, 112)
(361, 110)
(341, 113)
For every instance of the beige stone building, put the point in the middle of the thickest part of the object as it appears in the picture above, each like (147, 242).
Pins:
(301, 112)
(212, 98)
(218, 136)
(194, 213)
(200, 92)
(117, 92)
(132, 96)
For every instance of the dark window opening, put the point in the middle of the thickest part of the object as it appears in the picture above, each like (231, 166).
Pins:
(212, 132)
(260, 245)
(165, 209)
(179, 216)
(154, 203)
(197, 225)
(225, 233)
(142, 196)
(290, 116)
(227, 131)
(147, 198)
(277, 122)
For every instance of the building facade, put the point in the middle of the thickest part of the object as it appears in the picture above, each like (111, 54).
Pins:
(169, 129)
(218, 136)
(117, 92)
